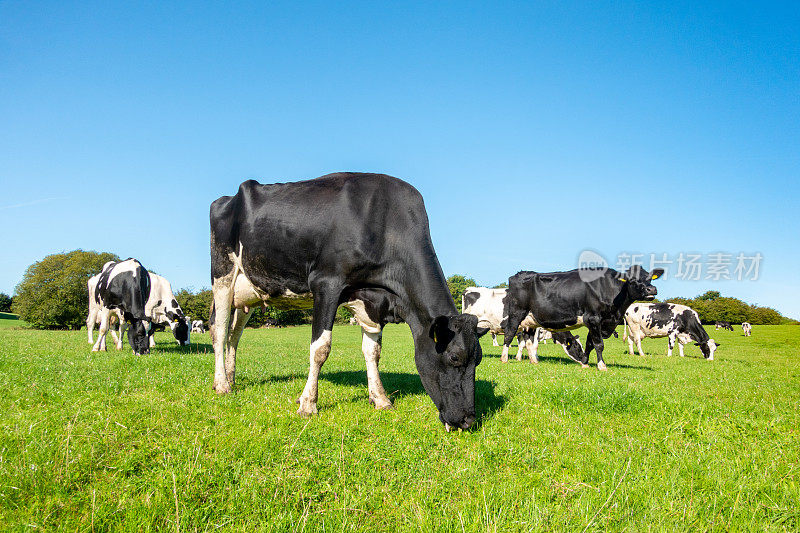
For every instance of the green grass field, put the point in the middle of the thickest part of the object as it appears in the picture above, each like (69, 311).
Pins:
(111, 441)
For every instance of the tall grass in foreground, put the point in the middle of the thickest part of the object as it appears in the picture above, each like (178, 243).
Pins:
(110, 441)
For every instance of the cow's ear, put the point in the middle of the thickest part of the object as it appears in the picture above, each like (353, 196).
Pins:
(481, 331)
(657, 273)
(440, 332)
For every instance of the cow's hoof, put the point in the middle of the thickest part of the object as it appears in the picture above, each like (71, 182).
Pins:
(307, 408)
(504, 359)
(584, 365)
(534, 362)
(95, 349)
(602, 366)
(222, 388)
(381, 403)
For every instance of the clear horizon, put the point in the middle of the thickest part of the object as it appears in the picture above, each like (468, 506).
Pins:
(534, 132)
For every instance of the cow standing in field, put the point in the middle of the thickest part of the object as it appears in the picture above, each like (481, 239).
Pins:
(722, 324)
(674, 321)
(487, 305)
(197, 326)
(747, 328)
(160, 308)
(125, 286)
(361, 240)
(561, 301)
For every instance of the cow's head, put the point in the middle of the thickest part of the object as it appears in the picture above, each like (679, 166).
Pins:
(708, 348)
(638, 282)
(139, 337)
(180, 329)
(574, 349)
(448, 372)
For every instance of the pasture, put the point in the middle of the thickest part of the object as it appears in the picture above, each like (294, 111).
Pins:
(110, 441)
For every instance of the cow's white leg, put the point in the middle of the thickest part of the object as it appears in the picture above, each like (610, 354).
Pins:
(326, 301)
(319, 352)
(670, 344)
(494, 339)
(371, 346)
(114, 335)
(532, 345)
(91, 321)
(504, 356)
(101, 334)
(680, 348)
(630, 344)
(223, 295)
(240, 318)
(639, 344)
(521, 344)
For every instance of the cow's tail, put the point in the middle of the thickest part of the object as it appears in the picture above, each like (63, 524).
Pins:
(211, 319)
(624, 329)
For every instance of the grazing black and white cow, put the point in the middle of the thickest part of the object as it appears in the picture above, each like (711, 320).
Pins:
(571, 344)
(747, 328)
(561, 301)
(125, 286)
(674, 321)
(161, 308)
(197, 326)
(722, 324)
(356, 239)
(487, 305)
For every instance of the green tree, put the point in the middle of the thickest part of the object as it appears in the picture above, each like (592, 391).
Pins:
(5, 303)
(53, 294)
(457, 284)
(711, 306)
(196, 306)
(503, 285)
(709, 295)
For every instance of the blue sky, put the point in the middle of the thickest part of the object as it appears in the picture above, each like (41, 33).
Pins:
(533, 130)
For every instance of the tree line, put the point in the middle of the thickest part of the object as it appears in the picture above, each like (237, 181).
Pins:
(53, 295)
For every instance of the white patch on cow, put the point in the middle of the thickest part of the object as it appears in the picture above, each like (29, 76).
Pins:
(360, 314)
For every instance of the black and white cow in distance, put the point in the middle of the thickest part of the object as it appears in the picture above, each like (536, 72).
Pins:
(487, 305)
(562, 301)
(161, 308)
(722, 324)
(674, 321)
(747, 328)
(344, 238)
(197, 326)
(125, 286)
